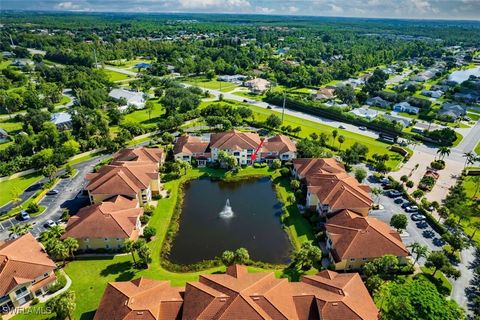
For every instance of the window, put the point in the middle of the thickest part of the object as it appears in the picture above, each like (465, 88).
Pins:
(107, 246)
(364, 259)
(353, 259)
(236, 153)
(87, 239)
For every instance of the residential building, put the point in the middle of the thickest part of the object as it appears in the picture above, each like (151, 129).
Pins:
(235, 79)
(189, 147)
(405, 122)
(238, 294)
(432, 93)
(326, 93)
(134, 180)
(22, 63)
(26, 271)
(63, 120)
(132, 98)
(377, 102)
(353, 240)
(106, 225)
(142, 154)
(420, 127)
(257, 85)
(241, 145)
(451, 112)
(406, 107)
(330, 189)
(365, 113)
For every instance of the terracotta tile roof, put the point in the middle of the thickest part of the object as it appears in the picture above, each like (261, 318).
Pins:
(123, 178)
(307, 167)
(22, 260)
(140, 299)
(115, 218)
(189, 145)
(280, 144)
(143, 154)
(354, 236)
(235, 140)
(340, 191)
(241, 295)
(40, 284)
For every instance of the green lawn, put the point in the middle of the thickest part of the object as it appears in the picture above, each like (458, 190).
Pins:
(472, 189)
(210, 84)
(4, 64)
(11, 126)
(63, 101)
(5, 145)
(474, 116)
(440, 281)
(142, 116)
(477, 149)
(459, 139)
(116, 76)
(19, 184)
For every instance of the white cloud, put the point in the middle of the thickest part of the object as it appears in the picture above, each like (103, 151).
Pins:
(67, 6)
(293, 9)
(264, 10)
(199, 4)
(335, 9)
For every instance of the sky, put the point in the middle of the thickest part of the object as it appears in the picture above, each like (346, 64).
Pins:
(409, 9)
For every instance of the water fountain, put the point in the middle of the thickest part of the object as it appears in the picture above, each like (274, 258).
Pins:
(227, 211)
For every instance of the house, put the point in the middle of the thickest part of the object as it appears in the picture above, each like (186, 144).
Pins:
(406, 107)
(133, 180)
(377, 102)
(106, 225)
(365, 113)
(420, 127)
(133, 98)
(236, 79)
(142, 154)
(8, 54)
(189, 147)
(405, 122)
(257, 85)
(22, 63)
(353, 240)
(238, 294)
(4, 136)
(239, 144)
(142, 65)
(326, 93)
(26, 271)
(63, 120)
(329, 188)
(278, 147)
(451, 112)
(432, 93)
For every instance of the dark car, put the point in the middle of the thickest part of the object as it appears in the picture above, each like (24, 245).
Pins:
(341, 127)
(362, 128)
(394, 193)
(398, 200)
(245, 100)
(269, 107)
(406, 204)
(422, 224)
(52, 192)
(418, 217)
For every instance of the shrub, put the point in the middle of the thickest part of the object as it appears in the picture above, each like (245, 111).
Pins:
(438, 164)
(157, 197)
(33, 208)
(149, 232)
(409, 184)
(276, 164)
(148, 209)
(144, 219)
(284, 172)
(35, 301)
(59, 284)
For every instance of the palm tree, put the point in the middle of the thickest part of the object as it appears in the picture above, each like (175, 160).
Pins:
(26, 228)
(341, 139)
(129, 246)
(475, 225)
(377, 192)
(59, 251)
(15, 193)
(15, 230)
(470, 158)
(419, 250)
(72, 245)
(443, 151)
(334, 135)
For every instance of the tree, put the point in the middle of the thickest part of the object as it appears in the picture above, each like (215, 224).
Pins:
(227, 160)
(62, 305)
(144, 254)
(399, 222)
(475, 225)
(437, 260)
(346, 94)
(377, 192)
(314, 136)
(149, 106)
(404, 178)
(360, 174)
(130, 247)
(276, 164)
(443, 151)
(228, 258)
(341, 140)
(409, 184)
(307, 256)
(295, 184)
(456, 240)
(354, 154)
(167, 138)
(242, 256)
(15, 230)
(385, 267)
(417, 194)
(72, 245)
(15, 196)
(419, 250)
(49, 171)
(273, 121)
(68, 169)
(58, 250)
(149, 232)
(334, 135)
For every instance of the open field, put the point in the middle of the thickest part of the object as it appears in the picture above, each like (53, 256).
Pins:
(210, 84)
(18, 184)
(116, 76)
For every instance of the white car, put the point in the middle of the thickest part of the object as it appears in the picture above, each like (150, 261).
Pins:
(50, 224)
(411, 209)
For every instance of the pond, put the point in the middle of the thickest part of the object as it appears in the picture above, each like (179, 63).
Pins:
(208, 226)
(460, 76)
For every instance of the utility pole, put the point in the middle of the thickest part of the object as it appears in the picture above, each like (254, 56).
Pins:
(283, 108)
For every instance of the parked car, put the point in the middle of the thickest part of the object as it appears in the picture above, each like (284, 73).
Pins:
(406, 204)
(384, 181)
(245, 100)
(269, 107)
(24, 216)
(50, 224)
(362, 128)
(398, 200)
(394, 193)
(418, 217)
(341, 127)
(52, 192)
(411, 209)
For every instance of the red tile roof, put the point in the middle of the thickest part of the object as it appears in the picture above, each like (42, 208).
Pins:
(189, 145)
(235, 140)
(21, 261)
(279, 144)
(143, 154)
(308, 167)
(354, 236)
(242, 295)
(115, 218)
